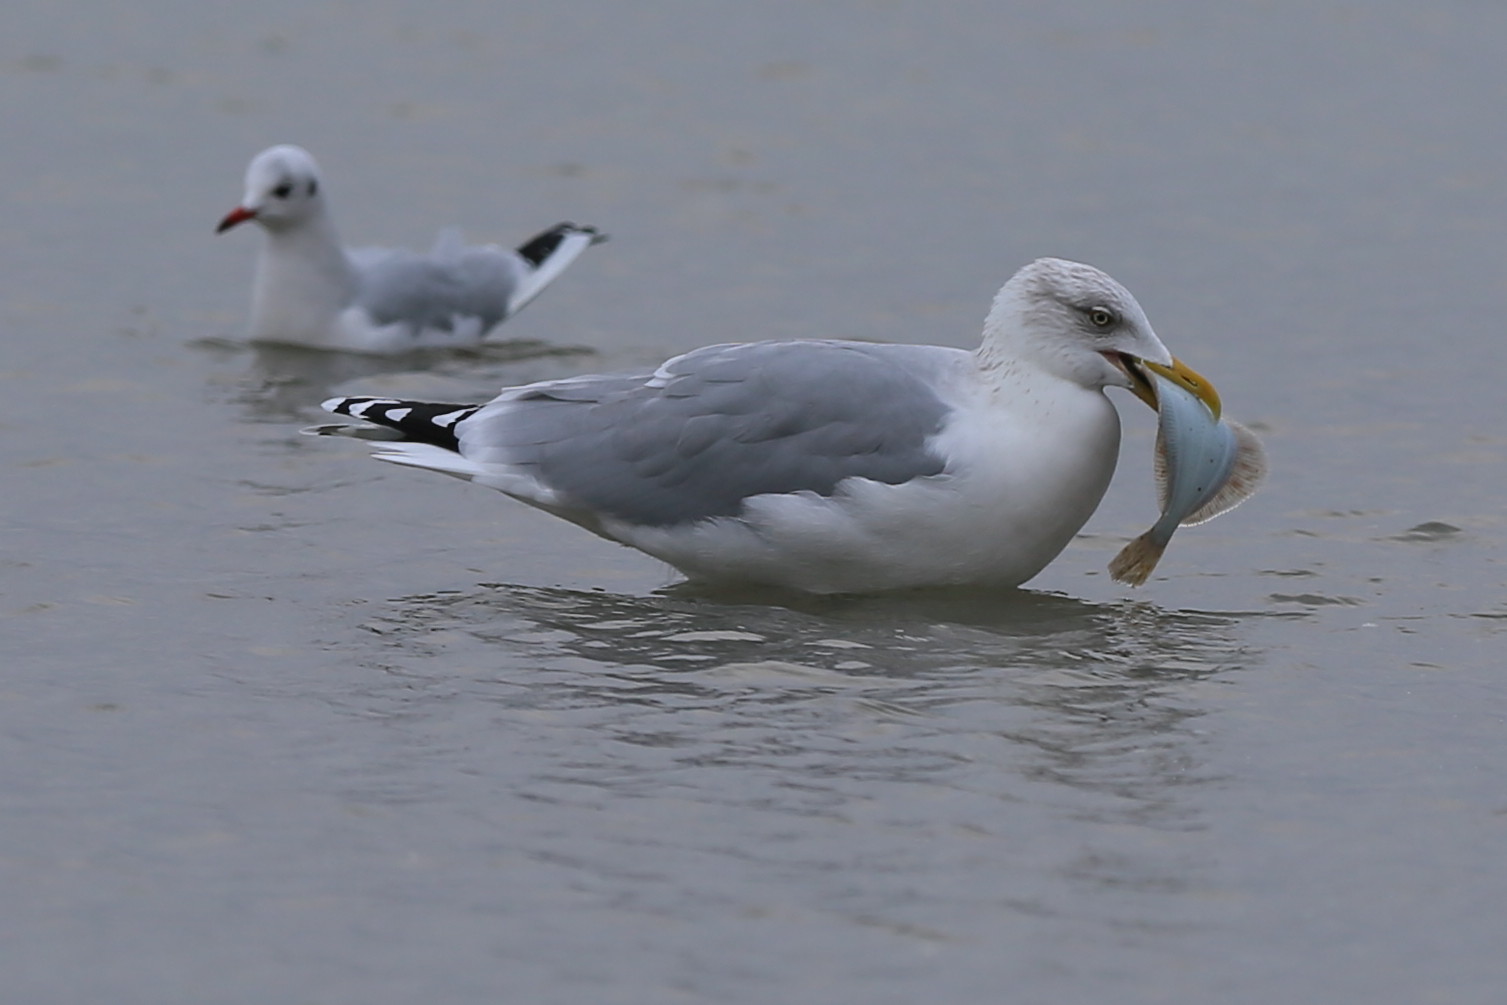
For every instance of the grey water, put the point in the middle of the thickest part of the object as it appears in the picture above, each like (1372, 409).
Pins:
(282, 724)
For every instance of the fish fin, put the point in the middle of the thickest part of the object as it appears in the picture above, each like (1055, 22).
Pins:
(1136, 560)
(1159, 470)
(1245, 478)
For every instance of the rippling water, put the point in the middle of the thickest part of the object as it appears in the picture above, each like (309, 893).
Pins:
(808, 787)
(278, 723)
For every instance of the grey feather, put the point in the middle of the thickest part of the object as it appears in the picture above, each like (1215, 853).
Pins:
(427, 291)
(716, 427)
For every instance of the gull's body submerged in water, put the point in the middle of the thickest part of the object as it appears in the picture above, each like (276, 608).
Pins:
(825, 466)
(312, 291)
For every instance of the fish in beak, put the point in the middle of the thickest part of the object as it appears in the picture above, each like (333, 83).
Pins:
(1179, 373)
(1205, 465)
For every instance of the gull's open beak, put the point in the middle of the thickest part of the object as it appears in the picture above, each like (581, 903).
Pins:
(241, 214)
(1179, 373)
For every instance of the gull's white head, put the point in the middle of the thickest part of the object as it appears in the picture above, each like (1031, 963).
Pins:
(283, 189)
(1075, 322)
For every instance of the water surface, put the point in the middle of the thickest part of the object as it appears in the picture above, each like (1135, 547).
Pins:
(279, 723)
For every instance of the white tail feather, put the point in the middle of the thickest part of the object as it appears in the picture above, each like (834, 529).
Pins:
(427, 455)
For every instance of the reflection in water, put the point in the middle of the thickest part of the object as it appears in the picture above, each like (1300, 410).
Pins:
(897, 635)
(989, 724)
(284, 383)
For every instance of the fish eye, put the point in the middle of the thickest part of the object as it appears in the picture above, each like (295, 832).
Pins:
(284, 190)
(1101, 317)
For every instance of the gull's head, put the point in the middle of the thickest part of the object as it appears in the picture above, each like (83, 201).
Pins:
(1077, 323)
(282, 190)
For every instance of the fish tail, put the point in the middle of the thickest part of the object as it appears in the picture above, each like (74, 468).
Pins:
(1136, 560)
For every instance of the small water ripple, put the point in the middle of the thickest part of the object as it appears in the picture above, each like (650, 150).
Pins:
(933, 742)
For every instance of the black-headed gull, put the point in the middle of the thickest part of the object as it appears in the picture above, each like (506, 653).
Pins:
(310, 290)
(825, 466)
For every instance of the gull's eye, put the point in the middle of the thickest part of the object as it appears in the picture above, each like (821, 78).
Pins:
(284, 190)
(1101, 317)
(313, 187)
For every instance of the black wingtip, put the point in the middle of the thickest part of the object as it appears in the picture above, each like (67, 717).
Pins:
(416, 421)
(539, 247)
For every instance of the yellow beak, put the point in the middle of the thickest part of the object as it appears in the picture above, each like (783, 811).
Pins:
(1182, 375)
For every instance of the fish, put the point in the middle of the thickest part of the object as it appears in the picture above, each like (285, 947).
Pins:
(1205, 465)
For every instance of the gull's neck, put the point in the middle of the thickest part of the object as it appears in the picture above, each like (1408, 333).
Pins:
(1053, 433)
(1011, 346)
(1020, 346)
(304, 279)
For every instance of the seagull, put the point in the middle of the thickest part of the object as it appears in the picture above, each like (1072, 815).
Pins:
(825, 466)
(312, 291)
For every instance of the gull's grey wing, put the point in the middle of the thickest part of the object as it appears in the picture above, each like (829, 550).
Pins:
(430, 291)
(717, 426)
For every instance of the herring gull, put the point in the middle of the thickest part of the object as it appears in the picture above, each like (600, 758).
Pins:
(825, 466)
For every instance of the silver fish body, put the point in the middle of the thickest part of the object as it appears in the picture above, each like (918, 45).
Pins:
(1195, 454)
(1205, 466)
